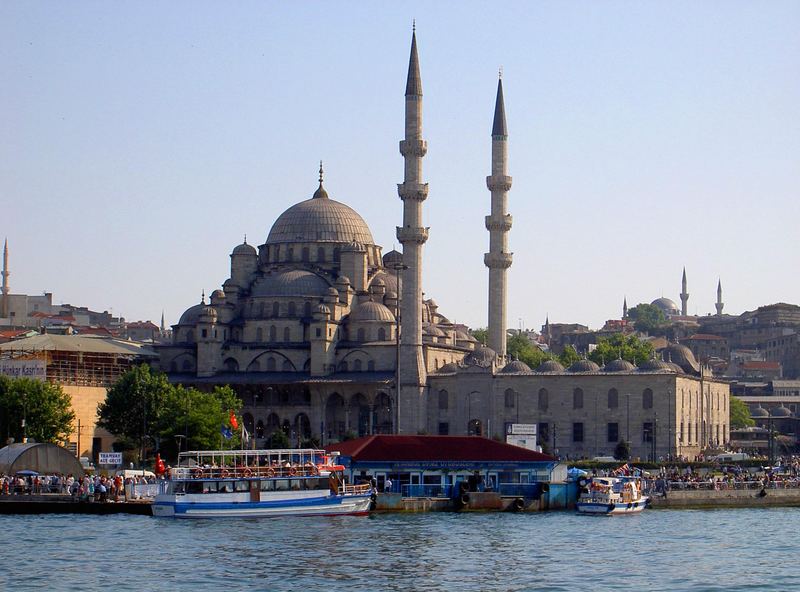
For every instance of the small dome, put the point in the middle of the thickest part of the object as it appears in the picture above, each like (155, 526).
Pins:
(333, 292)
(208, 314)
(584, 366)
(432, 329)
(516, 367)
(654, 365)
(450, 368)
(619, 365)
(759, 412)
(462, 335)
(371, 311)
(481, 356)
(296, 283)
(550, 366)
(781, 412)
(245, 249)
(683, 357)
(322, 309)
(392, 258)
(667, 306)
(391, 295)
(675, 368)
(343, 280)
(217, 294)
(190, 316)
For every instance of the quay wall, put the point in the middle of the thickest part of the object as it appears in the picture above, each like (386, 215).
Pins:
(736, 498)
(52, 504)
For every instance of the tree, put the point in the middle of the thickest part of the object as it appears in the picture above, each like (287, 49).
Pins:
(628, 347)
(46, 408)
(482, 335)
(568, 357)
(278, 439)
(134, 406)
(739, 414)
(648, 318)
(622, 451)
(520, 347)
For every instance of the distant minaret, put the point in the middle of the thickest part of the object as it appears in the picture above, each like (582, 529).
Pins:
(163, 327)
(624, 307)
(6, 273)
(719, 303)
(498, 223)
(412, 235)
(684, 295)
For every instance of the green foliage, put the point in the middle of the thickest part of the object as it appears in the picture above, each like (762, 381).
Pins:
(278, 439)
(47, 410)
(740, 414)
(143, 408)
(568, 357)
(628, 347)
(622, 451)
(519, 347)
(482, 335)
(648, 318)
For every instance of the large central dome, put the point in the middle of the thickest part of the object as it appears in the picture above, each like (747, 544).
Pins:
(320, 219)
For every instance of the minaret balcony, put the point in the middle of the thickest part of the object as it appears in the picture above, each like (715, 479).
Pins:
(415, 191)
(498, 260)
(498, 182)
(415, 148)
(409, 234)
(502, 223)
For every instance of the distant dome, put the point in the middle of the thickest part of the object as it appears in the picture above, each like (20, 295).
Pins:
(371, 311)
(759, 412)
(392, 258)
(516, 367)
(667, 306)
(432, 329)
(450, 368)
(654, 365)
(481, 356)
(296, 283)
(619, 365)
(683, 357)
(550, 366)
(781, 412)
(320, 219)
(462, 336)
(322, 309)
(217, 294)
(244, 249)
(584, 366)
(192, 314)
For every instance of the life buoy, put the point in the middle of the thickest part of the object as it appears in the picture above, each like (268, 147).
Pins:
(224, 473)
(464, 499)
(270, 472)
(518, 504)
(247, 472)
(545, 487)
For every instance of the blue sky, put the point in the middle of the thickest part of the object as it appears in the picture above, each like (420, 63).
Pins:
(140, 141)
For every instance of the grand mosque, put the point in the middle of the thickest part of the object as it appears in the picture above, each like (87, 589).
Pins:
(325, 336)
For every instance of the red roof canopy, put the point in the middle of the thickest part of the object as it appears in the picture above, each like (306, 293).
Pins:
(434, 448)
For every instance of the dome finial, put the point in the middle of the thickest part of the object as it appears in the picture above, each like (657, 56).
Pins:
(320, 193)
(245, 238)
(500, 73)
(413, 25)
(203, 297)
(320, 172)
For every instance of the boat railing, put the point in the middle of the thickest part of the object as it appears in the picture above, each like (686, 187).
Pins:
(359, 489)
(729, 485)
(245, 472)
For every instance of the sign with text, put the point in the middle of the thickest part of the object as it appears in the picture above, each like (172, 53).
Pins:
(35, 369)
(521, 429)
(110, 458)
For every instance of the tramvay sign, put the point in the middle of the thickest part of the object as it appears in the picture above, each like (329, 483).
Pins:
(35, 369)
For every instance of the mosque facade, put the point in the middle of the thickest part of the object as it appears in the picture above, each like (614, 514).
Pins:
(324, 336)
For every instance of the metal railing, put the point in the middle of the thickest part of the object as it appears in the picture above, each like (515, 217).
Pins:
(730, 485)
(242, 472)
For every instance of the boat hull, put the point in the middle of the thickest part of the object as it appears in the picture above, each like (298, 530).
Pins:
(170, 506)
(612, 509)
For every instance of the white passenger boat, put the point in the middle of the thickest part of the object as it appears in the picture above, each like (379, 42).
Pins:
(256, 483)
(612, 495)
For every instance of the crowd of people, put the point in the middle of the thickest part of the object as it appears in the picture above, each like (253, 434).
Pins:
(99, 488)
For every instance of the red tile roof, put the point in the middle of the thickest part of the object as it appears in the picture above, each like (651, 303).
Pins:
(704, 337)
(756, 365)
(434, 448)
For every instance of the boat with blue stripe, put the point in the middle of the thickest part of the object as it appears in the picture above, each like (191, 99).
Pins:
(611, 496)
(260, 483)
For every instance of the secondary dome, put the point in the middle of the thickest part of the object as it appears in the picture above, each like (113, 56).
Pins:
(320, 219)
(619, 365)
(667, 306)
(371, 311)
(291, 283)
(759, 412)
(550, 366)
(584, 366)
(516, 367)
(481, 356)
(654, 365)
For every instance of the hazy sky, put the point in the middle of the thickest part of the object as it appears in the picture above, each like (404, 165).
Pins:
(140, 141)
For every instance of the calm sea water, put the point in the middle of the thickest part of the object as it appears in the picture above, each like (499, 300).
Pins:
(656, 550)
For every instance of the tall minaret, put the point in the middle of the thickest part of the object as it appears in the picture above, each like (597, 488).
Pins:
(684, 295)
(498, 223)
(624, 307)
(412, 235)
(6, 273)
(719, 303)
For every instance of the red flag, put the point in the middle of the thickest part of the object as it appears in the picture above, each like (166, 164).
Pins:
(234, 422)
(160, 467)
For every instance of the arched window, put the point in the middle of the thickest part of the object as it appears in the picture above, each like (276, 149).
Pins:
(320, 254)
(342, 366)
(307, 309)
(357, 366)
(190, 336)
(306, 257)
(287, 366)
(260, 429)
(613, 398)
(371, 366)
(510, 399)
(381, 334)
(292, 309)
(270, 364)
(361, 335)
(259, 335)
(647, 399)
(336, 254)
(273, 333)
(187, 365)
(290, 253)
(262, 309)
(231, 365)
(287, 334)
(544, 400)
(577, 398)
(444, 399)
(276, 309)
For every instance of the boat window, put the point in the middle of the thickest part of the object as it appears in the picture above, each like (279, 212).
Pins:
(209, 486)
(226, 486)
(281, 485)
(241, 486)
(194, 487)
(266, 485)
(179, 487)
(296, 484)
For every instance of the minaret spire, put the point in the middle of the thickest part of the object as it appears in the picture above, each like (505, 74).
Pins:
(498, 223)
(684, 295)
(412, 235)
(624, 307)
(719, 305)
(6, 288)
(163, 326)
